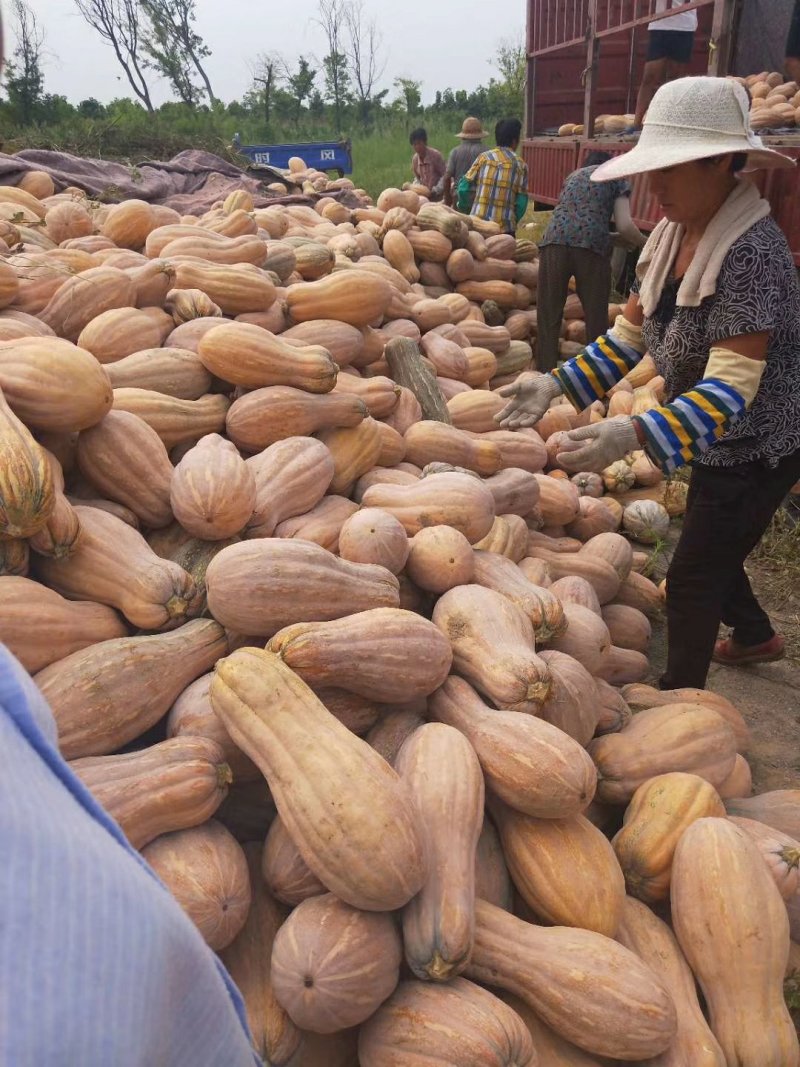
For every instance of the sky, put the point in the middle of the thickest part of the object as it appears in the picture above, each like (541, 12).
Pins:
(440, 44)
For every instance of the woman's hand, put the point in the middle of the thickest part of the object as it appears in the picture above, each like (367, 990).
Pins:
(595, 447)
(530, 397)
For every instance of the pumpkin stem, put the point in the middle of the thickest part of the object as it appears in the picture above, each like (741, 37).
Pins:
(176, 607)
(790, 856)
(224, 775)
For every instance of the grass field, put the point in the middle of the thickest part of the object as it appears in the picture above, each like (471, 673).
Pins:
(383, 159)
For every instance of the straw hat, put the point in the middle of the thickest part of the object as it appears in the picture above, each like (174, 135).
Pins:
(472, 130)
(690, 119)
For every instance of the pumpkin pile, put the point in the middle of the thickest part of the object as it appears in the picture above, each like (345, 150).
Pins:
(774, 102)
(360, 674)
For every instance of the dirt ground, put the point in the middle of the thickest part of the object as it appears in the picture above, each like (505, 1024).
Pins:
(768, 695)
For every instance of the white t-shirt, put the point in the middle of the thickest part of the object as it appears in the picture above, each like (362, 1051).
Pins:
(685, 22)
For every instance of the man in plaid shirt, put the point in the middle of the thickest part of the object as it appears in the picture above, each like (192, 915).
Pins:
(499, 179)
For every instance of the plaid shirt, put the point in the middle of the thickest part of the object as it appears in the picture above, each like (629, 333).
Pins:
(499, 176)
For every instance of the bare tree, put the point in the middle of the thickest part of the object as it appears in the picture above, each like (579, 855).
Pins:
(363, 49)
(332, 16)
(117, 21)
(24, 80)
(172, 22)
(266, 71)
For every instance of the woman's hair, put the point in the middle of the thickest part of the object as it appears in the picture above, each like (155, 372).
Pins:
(506, 132)
(738, 161)
(594, 159)
(418, 135)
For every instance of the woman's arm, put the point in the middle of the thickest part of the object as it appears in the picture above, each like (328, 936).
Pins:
(678, 432)
(624, 224)
(588, 376)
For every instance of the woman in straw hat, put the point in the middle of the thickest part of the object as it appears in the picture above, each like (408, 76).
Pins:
(717, 304)
(463, 156)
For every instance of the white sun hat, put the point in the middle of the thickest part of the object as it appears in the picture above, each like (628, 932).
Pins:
(691, 119)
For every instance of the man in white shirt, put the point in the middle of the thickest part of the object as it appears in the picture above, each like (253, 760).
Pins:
(670, 41)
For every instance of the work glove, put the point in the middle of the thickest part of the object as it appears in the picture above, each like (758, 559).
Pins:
(595, 447)
(530, 397)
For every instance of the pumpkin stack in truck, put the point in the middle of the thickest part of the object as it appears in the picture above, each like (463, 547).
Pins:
(585, 64)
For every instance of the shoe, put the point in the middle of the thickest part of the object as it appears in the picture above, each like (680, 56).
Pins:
(732, 655)
(631, 131)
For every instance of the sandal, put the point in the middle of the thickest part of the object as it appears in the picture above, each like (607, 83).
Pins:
(732, 655)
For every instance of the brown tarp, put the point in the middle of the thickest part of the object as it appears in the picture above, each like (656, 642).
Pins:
(190, 182)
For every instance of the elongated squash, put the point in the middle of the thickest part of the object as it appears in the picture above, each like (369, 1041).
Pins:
(270, 713)
(654, 943)
(717, 873)
(192, 715)
(52, 385)
(457, 500)
(322, 524)
(780, 852)
(169, 786)
(493, 647)
(459, 1023)
(532, 766)
(175, 421)
(27, 493)
(661, 809)
(260, 418)
(126, 460)
(113, 564)
(589, 989)
(565, 869)
(357, 297)
(778, 808)
(39, 626)
(496, 572)
(259, 586)
(175, 372)
(443, 776)
(249, 356)
(110, 693)
(572, 700)
(386, 654)
(292, 476)
(678, 737)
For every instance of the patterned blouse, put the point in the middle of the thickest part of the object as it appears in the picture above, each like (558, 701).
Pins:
(757, 290)
(582, 217)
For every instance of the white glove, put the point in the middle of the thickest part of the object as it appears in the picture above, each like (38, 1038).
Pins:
(530, 397)
(595, 447)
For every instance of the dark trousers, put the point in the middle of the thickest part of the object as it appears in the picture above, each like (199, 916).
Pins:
(592, 274)
(728, 510)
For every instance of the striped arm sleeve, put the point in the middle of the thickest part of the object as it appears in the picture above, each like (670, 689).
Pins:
(677, 433)
(588, 376)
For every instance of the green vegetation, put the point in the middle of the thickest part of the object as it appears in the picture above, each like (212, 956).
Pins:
(305, 99)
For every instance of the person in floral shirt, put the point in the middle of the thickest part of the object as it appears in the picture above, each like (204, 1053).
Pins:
(577, 244)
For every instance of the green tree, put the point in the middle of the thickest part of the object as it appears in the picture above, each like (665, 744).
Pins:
(510, 60)
(410, 94)
(24, 79)
(91, 108)
(175, 46)
(166, 56)
(301, 83)
(337, 84)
